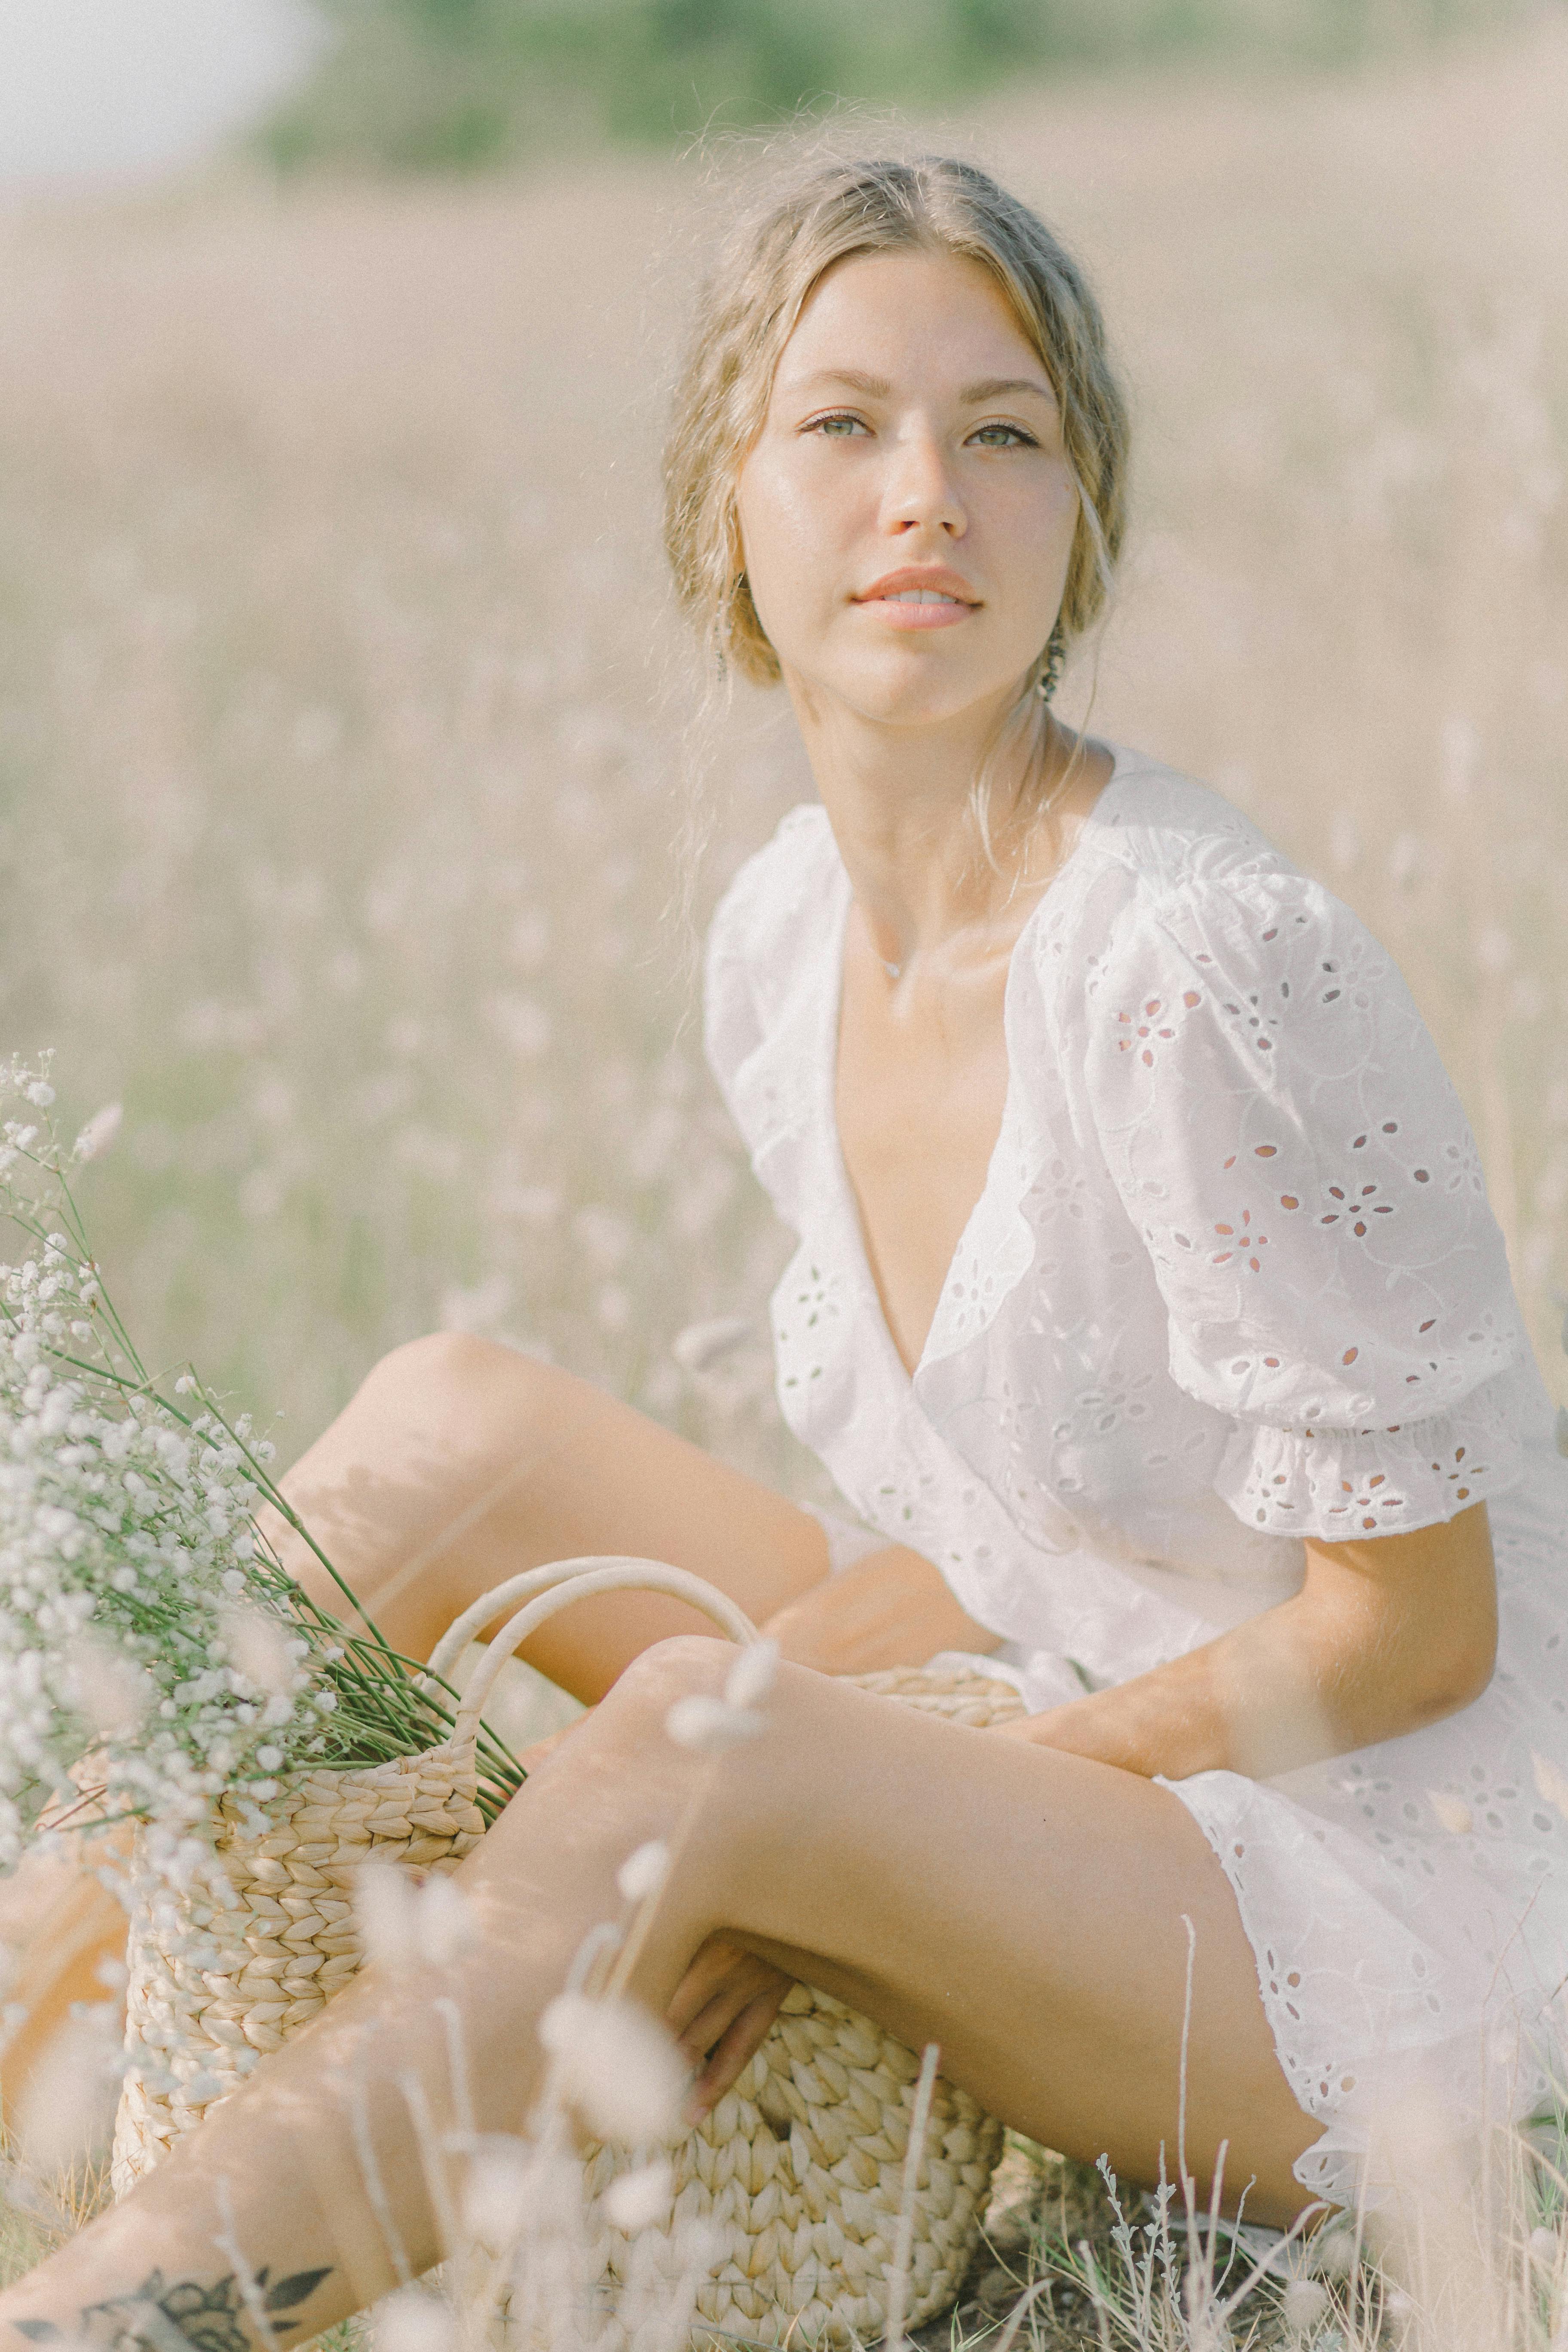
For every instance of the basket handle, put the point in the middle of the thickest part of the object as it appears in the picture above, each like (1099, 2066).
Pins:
(557, 1586)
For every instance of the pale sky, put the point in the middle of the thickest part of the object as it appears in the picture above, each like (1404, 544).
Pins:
(106, 90)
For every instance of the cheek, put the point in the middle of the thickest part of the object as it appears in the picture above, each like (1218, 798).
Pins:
(787, 529)
(1064, 509)
(1032, 543)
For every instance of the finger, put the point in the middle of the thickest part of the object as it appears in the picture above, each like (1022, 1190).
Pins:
(741, 2012)
(705, 2033)
(742, 1984)
(727, 2061)
(706, 1971)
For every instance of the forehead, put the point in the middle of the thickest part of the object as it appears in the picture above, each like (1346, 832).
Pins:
(896, 314)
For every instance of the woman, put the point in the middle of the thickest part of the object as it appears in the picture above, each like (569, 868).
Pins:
(1148, 1310)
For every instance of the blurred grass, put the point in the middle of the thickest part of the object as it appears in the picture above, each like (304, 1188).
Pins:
(342, 723)
(464, 85)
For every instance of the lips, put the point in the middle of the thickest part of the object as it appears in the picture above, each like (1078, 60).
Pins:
(918, 599)
(920, 586)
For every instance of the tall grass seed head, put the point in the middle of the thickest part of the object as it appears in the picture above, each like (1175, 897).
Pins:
(709, 1724)
(644, 1870)
(405, 1925)
(637, 2200)
(617, 2066)
(496, 2186)
(751, 1677)
(99, 1133)
(413, 2320)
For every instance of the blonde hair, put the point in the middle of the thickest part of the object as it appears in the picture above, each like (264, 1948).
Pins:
(747, 312)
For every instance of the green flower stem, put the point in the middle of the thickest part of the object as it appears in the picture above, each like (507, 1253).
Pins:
(387, 1706)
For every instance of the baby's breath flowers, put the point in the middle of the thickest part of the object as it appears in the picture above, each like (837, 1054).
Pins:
(154, 1653)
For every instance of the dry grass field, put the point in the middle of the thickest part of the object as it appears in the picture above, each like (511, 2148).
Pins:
(346, 737)
(343, 732)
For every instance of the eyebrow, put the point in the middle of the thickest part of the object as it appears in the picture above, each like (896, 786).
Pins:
(994, 387)
(875, 387)
(973, 395)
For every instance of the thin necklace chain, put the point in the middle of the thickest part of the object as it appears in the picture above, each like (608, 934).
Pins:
(894, 971)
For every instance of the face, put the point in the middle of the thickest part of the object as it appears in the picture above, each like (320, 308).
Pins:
(907, 511)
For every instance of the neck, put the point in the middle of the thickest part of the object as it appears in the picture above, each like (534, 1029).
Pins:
(900, 802)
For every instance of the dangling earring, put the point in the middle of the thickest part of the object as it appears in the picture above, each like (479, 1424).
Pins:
(1056, 656)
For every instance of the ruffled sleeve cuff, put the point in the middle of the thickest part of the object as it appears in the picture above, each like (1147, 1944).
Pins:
(1340, 1485)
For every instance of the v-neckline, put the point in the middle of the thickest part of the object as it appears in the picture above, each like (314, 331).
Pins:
(843, 1190)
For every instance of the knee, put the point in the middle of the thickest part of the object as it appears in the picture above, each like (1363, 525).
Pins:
(456, 1370)
(637, 1707)
(672, 1669)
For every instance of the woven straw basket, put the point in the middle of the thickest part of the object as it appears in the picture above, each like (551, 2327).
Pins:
(799, 2168)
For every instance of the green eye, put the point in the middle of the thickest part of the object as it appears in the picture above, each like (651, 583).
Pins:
(1011, 438)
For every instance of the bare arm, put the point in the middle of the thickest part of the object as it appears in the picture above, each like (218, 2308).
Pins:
(891, 1609)
(1383, 1637)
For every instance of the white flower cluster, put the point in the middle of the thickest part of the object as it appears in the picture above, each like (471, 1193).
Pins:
(144, 1652)
(132, 1625)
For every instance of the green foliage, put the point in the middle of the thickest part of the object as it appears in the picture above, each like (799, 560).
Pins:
(459, 85)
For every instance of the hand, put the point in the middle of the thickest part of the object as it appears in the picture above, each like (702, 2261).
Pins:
(721, 2015)
(891, 1609)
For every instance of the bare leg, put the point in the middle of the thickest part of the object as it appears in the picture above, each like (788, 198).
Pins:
(1022, 1908)
(457, 1464)
(460, 1462)
(59, 1926)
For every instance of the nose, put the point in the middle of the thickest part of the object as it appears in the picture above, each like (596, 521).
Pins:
(920, 492)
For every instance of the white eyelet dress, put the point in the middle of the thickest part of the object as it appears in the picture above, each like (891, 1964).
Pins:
(1232, 1282)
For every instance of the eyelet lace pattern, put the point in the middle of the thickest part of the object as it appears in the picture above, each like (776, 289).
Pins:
(1232, 1282)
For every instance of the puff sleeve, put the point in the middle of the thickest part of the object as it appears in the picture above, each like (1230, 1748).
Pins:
(731, 1023)
(769, 948)
(1283, 1135)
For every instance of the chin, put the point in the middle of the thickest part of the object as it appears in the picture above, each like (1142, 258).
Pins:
(923, 702)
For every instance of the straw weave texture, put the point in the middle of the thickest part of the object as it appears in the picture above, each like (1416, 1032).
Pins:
(284, 1946)
(799, 2168)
